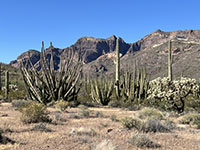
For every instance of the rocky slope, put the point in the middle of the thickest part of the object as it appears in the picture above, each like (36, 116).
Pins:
(150, 51)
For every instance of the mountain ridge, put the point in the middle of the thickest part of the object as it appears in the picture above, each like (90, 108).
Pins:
(98, 53)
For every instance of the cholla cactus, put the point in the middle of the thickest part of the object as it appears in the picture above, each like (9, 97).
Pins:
(174, 92)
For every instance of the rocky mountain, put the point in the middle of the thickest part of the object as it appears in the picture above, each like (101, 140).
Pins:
(150, 51)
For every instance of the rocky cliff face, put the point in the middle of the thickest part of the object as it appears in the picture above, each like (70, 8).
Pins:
(150, 51)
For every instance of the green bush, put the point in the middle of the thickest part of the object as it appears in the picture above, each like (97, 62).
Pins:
(189, 118)
(41, 127)
(84, 111)
(19, 104)
(114, 118)
(142, 141)
(154, 126)
(33, 113)
(129, 123)
(61, 104)
(150, 113)
(196, 123)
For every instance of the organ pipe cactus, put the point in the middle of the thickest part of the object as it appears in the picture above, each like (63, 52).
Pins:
(101, 90)
(136, 84)
(6, 84)
(49, 85)
(0, 78)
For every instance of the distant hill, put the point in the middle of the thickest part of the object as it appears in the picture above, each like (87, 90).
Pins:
(150, 51)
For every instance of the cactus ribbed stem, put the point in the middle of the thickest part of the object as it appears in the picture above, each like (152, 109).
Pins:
(117, 76)
(170, 61)
(6, 84)
(0, 78)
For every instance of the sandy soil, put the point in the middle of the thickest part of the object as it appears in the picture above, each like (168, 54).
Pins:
(93, 130)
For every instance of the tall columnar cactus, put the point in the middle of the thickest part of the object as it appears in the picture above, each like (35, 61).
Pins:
(170, 76)
(101, 90)
(117, 75)
(6, 84)
(0, 78)
(135, 85)
(50, 85)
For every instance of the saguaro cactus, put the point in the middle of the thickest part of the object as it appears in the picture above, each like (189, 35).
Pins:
(6, 84)
(117, 76)
(170, 61)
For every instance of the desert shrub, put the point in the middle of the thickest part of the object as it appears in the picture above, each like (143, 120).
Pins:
(196, 123)
(17, 94)
(33, 113)
(58, 117)
(154, 126)
(129, 123)
(150, 113)
(19, 104)
(105, 145)
(84, 111)
(114, 118)
(172, 94)
(169, 124)
(192, 103)
(83, 131)
(41, 127)
(189, 118)
(142, 141)
(61, 104)
(99, 114)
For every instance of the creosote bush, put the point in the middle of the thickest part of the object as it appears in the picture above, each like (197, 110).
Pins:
(153, 125)
(142, 141)
(19, 104)
(34, 112)
(114, 118)
(61, 104)
(189, 118)
(150, 113)
(129, 123)
(84, 111)
(83, 131)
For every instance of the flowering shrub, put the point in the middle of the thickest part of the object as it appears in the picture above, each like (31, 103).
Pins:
(172, 93)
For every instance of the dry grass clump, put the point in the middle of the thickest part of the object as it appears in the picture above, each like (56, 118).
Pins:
(61, 104)
(19, 104)
(150, 125)
(129, 123)
(114, 118)
(189, 118)
(153, 125)
(34, 113)
(41, 127)
(142, 141)
(150, 113)
(58, 117)
(83, 131)
(105, 145)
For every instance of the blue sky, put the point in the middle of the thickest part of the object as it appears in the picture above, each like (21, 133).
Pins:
(25, 23)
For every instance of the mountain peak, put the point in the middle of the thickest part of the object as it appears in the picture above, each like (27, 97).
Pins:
(113, 37)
